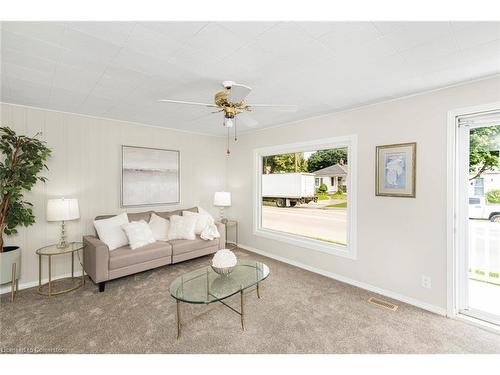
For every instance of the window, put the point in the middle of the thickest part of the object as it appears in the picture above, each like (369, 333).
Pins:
(479, 186)
(292, 205)
(474, 201)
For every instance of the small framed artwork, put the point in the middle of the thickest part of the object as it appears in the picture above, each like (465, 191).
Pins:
(395, 170)
(150, 176)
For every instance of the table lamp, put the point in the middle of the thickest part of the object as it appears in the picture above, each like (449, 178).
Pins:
(62, 209)
(222, 199)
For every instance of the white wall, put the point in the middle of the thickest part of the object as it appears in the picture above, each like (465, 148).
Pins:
(85, 164)
(399, 239)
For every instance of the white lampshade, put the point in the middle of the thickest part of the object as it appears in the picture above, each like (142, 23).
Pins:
(62, 209)
(222, 199)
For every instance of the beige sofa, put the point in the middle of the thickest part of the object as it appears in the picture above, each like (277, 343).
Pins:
(103, 265)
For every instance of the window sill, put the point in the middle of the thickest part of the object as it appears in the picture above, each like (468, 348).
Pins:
(316, 245)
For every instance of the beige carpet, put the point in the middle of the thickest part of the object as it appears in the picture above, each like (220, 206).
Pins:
(300, 312)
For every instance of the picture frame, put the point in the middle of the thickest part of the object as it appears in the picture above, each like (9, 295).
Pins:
(149, 176)
(395, 170)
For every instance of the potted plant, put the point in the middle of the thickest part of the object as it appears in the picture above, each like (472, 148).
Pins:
(22, 159)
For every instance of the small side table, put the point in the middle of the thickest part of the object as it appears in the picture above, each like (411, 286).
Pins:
(53, 250)
(231, 223)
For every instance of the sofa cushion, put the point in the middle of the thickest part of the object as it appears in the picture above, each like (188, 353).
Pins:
(125, 256)
(138, 216)
(159, 227)
(139, 234)
(202, 220)
(181, 228)
(185, 246)
(110, 231)
(132, 216)
(167, 214)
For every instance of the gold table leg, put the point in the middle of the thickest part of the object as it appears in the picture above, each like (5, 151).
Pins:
(242, 312)
(50, 276)
(83, 267)
(39, 271)
(13, 283)
(178, 319)
(73, 264)
(258, 291)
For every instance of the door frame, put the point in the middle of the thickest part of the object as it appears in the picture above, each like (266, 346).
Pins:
(452, 217)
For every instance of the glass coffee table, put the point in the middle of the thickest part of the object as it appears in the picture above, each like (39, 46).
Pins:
(204, 286)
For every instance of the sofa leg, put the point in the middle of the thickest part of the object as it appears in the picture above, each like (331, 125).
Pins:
(102, 285)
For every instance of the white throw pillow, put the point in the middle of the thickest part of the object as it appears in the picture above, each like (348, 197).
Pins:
(182, 228)
(110, 231)
(139, 234)
(202, 220)
(159, 227)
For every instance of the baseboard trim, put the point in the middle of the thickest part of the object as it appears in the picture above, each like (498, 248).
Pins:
(411, 301)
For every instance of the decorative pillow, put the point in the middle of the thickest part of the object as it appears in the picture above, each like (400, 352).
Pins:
(110, 231)
(139, 234)
(202, 220)
(182, 228)
(159, 227)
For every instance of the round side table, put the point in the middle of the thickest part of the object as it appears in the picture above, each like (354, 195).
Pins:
(53, 250)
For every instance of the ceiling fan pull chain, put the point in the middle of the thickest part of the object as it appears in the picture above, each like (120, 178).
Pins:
(227, 150)
(235, 134)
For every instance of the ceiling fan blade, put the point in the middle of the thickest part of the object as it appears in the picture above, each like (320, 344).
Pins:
(238, 93)
(247, 119)
(184, 102)
(281, 107)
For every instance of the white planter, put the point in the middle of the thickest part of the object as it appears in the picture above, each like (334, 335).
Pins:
(7, 259)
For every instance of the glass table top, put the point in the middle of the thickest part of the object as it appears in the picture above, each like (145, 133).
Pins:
(54, 250)
(204, 285)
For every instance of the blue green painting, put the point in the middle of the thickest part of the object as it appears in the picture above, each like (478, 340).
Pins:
(395, 170)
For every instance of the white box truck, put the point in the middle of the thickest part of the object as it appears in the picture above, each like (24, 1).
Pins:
(288, 189)
(478, 209)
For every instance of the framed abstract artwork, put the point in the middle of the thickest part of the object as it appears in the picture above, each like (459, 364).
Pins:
(150, 176)
(395, 170)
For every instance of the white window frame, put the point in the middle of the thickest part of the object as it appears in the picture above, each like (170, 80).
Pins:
(350, 142)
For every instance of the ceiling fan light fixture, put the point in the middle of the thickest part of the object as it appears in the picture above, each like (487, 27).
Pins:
(228, 123)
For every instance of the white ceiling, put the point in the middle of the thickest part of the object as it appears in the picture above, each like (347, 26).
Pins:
(120, 69)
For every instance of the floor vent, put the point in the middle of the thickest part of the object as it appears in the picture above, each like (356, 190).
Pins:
(382, 303)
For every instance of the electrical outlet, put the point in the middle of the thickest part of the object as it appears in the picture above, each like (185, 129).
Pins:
(426, 282)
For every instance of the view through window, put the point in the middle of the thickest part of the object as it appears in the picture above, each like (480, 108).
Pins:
(484, 221)
(305, 194)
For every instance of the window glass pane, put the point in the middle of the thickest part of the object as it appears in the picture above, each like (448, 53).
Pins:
(301, 196)
(479, 187)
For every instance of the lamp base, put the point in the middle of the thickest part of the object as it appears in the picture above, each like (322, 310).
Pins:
(62, 240)
(62, 244)
(222, 219)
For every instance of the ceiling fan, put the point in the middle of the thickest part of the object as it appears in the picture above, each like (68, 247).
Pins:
(231, 101)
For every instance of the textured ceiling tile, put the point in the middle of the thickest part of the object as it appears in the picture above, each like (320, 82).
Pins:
(121, 69)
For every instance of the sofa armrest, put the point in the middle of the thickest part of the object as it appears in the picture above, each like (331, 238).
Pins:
(96, 258)
(222, 231)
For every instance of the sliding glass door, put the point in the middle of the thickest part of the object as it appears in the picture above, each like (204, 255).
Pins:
(478, 216)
